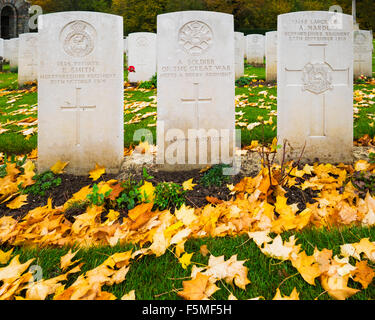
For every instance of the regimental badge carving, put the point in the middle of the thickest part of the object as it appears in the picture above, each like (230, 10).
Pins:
(195, 37)
(78, 39)
(142, 42)
(32, 41)
(359, 38)
(317, 77)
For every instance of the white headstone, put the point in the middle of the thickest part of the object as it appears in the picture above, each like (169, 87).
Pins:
(7, 49)
(271, 56)
(28, 58)
(255, 49)
(239, 54)
(315, 85)
(80, 91)
(13, 52)
(142, 56)
(195, 89)
(2, 48)
(362, 40)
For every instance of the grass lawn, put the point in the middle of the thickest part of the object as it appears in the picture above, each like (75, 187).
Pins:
(157, 278)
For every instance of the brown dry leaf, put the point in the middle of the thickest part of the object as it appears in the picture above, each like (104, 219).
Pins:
(204, 250)
(199, 288)
(214, 200)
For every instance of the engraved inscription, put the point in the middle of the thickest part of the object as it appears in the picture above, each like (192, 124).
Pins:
(78, 39)
(195, 37)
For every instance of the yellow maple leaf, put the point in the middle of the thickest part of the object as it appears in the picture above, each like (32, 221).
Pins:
(147, 191)
(307, 267)
(58, 167)
(361, 165)
(337, 286)
(129, 296)
(199, 288)
(185, 259)
(363, 274)
(96, 173)
(18, 202)
(66, 260)
(293, 296)
(112, 215)
(5, 256)
(188, 184)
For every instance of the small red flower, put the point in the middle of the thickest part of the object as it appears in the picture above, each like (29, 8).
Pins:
(131, 69)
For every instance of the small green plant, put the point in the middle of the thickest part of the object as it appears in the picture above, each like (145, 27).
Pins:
(243, 81)
(151, 84)
(13, 69)
(364, 182)
(130, 196)
(13, 159)
(76, 207)
(43, 183)
(97, 198)
(215, 176)
(169, 195)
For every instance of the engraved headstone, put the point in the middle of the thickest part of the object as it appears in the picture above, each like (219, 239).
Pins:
(239, 53)
(271, 56)
(142, 55)
(196, 112)
(255, 49)
(1, 48)
(28, 58)
(363, 47)
(80, 91)
(315, 85)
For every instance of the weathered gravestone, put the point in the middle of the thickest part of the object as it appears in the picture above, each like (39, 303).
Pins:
(13, 52)
(271, 56)
(6, 50)
(362, 40)
(142, 55)
(255, 49)
(196, 112)
(28, 58)
(1, 53)
(239, 54)
(315, 85)
(80, 91)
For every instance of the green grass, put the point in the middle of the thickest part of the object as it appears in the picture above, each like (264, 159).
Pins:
(151, 276)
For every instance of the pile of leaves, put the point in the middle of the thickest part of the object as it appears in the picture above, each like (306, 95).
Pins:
(260, 208)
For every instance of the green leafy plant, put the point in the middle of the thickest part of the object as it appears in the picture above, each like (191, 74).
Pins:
(243, 81)
(215, 176)
(76, 208)
(43, 183)
(169, 195)
(130, 196)
(97, 198)
(151, 84)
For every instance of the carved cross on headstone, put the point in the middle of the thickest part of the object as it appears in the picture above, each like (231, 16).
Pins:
(77, 108)
(196, 100)
(317, 77)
